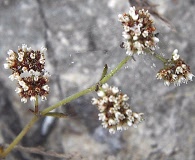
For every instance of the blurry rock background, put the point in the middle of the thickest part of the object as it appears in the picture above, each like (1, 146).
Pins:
(81, 36)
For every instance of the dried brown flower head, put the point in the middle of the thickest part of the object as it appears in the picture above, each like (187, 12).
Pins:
(28, 68)
(175, 71)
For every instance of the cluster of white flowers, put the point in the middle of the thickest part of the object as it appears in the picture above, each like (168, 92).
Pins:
(115, 112)
(138, 31)
(176, 71)
(28, 68)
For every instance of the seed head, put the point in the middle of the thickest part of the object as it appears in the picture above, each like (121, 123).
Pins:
(115, 112)
(28, 68)
(175, 71)
(138, 31)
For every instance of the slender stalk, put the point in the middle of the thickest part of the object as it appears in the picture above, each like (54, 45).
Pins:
(64, 101)
(164, 60)
(19, 137)
(90, 89)
(156, 55)
(36, 105)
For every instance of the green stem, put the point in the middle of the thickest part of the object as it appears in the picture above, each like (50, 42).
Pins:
(90, 89)
(36, 105)
(19, 137)
(158, 56)
(164, 60)
(64, 101)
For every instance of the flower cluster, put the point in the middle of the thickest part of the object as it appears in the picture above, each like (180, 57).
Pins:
(175, 71)
(138, 31)
(28, 68)
(115, 112)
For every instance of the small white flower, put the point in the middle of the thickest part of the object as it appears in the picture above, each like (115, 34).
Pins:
(138, 45)
(10, 52)
(175, 55)
(126, 28)
(189, 76)
(115, 90)
(119, 128)
(111, 122)
(36, 78)
(6, 66)
(32, 98)
(14, 76)
(112, 98)
(24, 47)
(184, 66)
(135, 38)
(145, 34)
(18, 90)
(20, 59)
(94, 101)
(174, 76)
(105, 99)
(43, 98)
(24, 69)
(159, 76)
(46, 74)
(112, 131)
(100, 93)
(129, 112)
(137, 30)
(24, 100)
(130, 123)
(128, 52)
(132, 13)
(31, 72)
(32, 55)
(22, 83)
(21, 54)
(101, 108)
(119, 115)
(147, 43)
(104, 124)
(102, 116)
(135, 115)
(29, 49)
(122, 18)
(42, 60)
(178, 70)
(155, 39)
(166, 83)
(125, 97)
(126, 35)
(46, 87)
(25, 88)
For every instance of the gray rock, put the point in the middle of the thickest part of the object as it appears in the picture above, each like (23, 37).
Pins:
(81, 36)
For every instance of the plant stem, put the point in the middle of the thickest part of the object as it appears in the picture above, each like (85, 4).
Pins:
(90, 89)
(158, 56)
(36, 105)
(19, 137)
(64, 101)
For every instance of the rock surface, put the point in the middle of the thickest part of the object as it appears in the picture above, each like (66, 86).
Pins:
(81, 36)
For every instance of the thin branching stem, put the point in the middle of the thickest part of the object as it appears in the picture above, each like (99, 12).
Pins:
(158, 56)
(62, 102)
